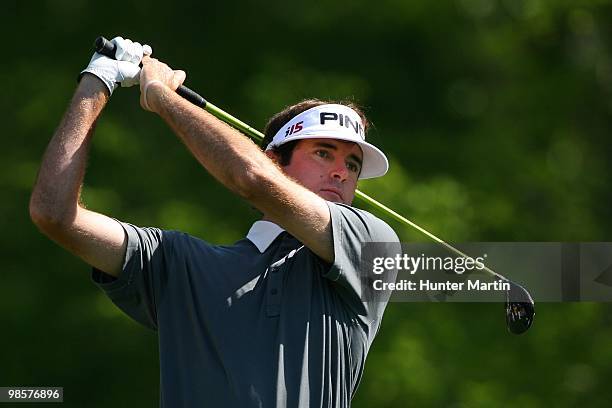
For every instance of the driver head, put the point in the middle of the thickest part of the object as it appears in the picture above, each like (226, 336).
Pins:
(519, 309)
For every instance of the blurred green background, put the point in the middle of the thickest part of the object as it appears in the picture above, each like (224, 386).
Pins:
(496, 116)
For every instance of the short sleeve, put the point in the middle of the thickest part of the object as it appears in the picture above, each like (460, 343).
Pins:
(352, 228)
(148, 256)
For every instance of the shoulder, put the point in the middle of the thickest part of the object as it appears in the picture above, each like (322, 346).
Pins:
(361, 222)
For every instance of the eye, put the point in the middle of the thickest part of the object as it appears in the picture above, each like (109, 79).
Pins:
(322, 153)
(352, 167)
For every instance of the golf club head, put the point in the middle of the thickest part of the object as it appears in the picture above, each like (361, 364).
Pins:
(520, 309)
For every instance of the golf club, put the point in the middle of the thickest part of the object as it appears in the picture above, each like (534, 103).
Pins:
(519, 305)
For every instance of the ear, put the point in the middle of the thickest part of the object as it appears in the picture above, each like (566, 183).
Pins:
(272, 155)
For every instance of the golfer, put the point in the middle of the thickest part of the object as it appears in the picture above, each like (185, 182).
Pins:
(278, 319)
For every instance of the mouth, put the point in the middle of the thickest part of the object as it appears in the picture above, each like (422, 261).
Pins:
(333, 191)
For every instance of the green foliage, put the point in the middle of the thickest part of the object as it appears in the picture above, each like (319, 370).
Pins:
(496, 115)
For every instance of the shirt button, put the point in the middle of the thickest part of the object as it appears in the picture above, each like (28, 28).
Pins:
(274, 291)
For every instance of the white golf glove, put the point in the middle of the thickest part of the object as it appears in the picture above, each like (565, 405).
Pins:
(124, 70)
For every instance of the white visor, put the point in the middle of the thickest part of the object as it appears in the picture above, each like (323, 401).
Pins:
(334, 122)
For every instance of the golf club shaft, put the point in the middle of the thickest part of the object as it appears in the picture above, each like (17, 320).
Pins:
(106, 47)
(386, 210)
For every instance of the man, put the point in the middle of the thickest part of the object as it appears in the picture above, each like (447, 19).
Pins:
(277, 319)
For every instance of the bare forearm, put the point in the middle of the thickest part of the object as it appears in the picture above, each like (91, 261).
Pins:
(56, 192)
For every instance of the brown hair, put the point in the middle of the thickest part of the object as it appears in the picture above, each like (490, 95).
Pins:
(279, 120)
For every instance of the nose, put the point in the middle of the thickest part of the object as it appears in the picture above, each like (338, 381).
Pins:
(339, 171)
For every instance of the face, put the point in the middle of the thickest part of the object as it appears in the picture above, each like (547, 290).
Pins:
(330, 168)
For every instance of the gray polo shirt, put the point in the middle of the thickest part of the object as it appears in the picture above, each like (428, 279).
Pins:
(261, 323)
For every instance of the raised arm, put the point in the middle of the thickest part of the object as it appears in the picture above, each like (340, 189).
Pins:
(237, 162)
(54, 204)
(55, 201)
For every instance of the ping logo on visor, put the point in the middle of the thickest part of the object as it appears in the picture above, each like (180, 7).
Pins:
(343, 120)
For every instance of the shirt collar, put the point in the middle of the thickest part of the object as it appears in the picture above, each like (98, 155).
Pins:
(262, 233)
